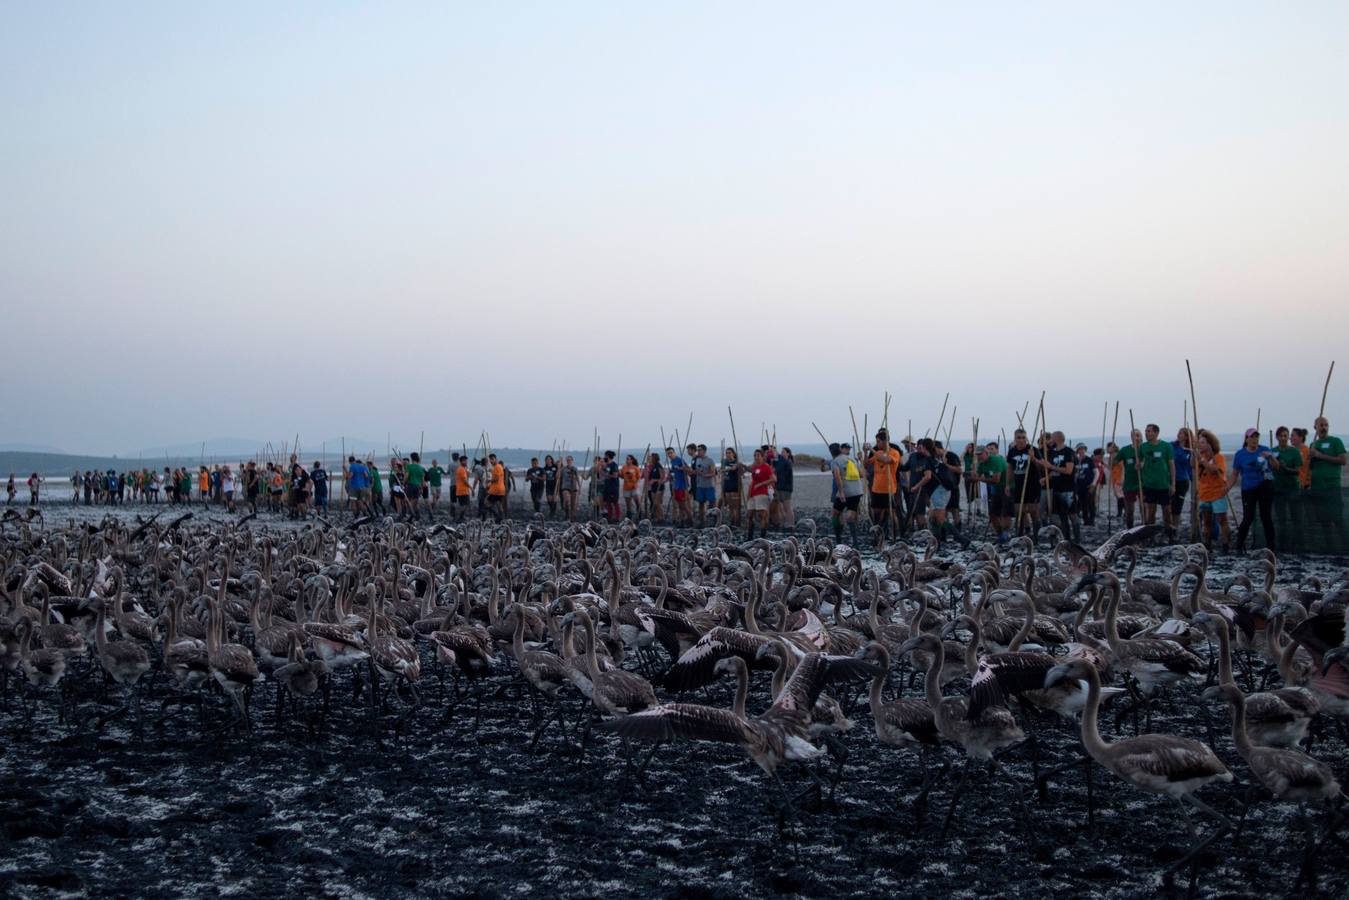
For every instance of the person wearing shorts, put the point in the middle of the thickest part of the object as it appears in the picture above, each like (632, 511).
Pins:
(705, 482)
(884, 462)
(358, 484)
(1059, 468)
(630, 474)
(682, 505)
(569, 482)
(761, 481)
(849, 485)
(990, 470)
(957, 469)
(1211, 476)
(1023, 486)
(434, 480)
(463, 489)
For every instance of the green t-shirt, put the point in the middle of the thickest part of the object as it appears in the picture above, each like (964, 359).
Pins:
(1290, 461)
(415, 474)
(376, 484)
(433, 476)
(995, 467)
(1157, 458)
(1326, 476)
(1125, 455)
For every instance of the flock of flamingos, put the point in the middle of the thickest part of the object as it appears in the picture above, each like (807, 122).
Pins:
(624, 630)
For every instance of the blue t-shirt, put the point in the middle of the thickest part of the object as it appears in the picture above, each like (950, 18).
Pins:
(358, 477)
(1253, 466)
(1182, 458)
(679, 475)
(782, 468)
(320, 479)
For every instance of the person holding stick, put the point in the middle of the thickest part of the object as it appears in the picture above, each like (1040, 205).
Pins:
(991, 470)
(1127, 458)
(884, 462)
(414, 477)
(1023, 487)
(1157, 478)
(1287, 464)
(957, 470)
(569, 485)
(496, 488)
(1059, 465)
(1211, 469)
(732, 484)
(1327, 457)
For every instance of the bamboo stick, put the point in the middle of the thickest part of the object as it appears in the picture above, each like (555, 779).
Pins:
(1326, 390)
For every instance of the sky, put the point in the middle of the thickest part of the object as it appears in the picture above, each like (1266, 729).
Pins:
(540, 220)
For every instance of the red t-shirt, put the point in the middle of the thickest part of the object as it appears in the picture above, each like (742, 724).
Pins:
(760, 477)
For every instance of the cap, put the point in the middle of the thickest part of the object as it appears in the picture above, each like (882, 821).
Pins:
(1080, 447)
(845, 445)
(1251, 431)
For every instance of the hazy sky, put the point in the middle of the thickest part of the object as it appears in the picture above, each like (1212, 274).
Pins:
(255, 219)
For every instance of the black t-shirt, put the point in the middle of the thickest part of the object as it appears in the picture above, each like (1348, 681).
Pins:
(550, 477)
(534, 475)
(653, 477)
(1084, 472)
(1061, 456)
(299, 479)
(1019, 463)
(320, 479)
(945, 476)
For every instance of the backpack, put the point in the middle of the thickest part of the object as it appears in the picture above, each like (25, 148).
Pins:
(850, 471)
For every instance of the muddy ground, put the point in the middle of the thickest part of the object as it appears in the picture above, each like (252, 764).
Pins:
(447, 809)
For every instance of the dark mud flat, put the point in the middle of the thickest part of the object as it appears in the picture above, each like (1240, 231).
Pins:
(444, 811)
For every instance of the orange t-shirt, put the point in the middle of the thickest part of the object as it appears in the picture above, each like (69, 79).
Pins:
(1213, 484)
(1304, 474)
(498, 486)
(630, 475)
(883, 466)
(1117, 472)
(461, 488)
(204, 481)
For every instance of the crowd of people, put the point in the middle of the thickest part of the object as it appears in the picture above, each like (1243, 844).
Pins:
(896, 487)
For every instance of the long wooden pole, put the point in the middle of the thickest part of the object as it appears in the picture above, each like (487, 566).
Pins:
(1021, 502)
(1326, 390)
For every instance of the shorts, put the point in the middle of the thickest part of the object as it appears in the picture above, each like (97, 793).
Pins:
(298, 497)
(1130, 496)
(1064, 501)
(999, 504)
(654, 489)
(1159, 496)
(1032, 495)
(461, 499)
(705, 495)
(880, 501)
(953, 505)
(783, 497)
(361, 495)
(494, 499)
(918, 502)
(940, 497)
(632, 493)
(1217, 507)
(759, 503)
(849, 503)
(681, 494)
